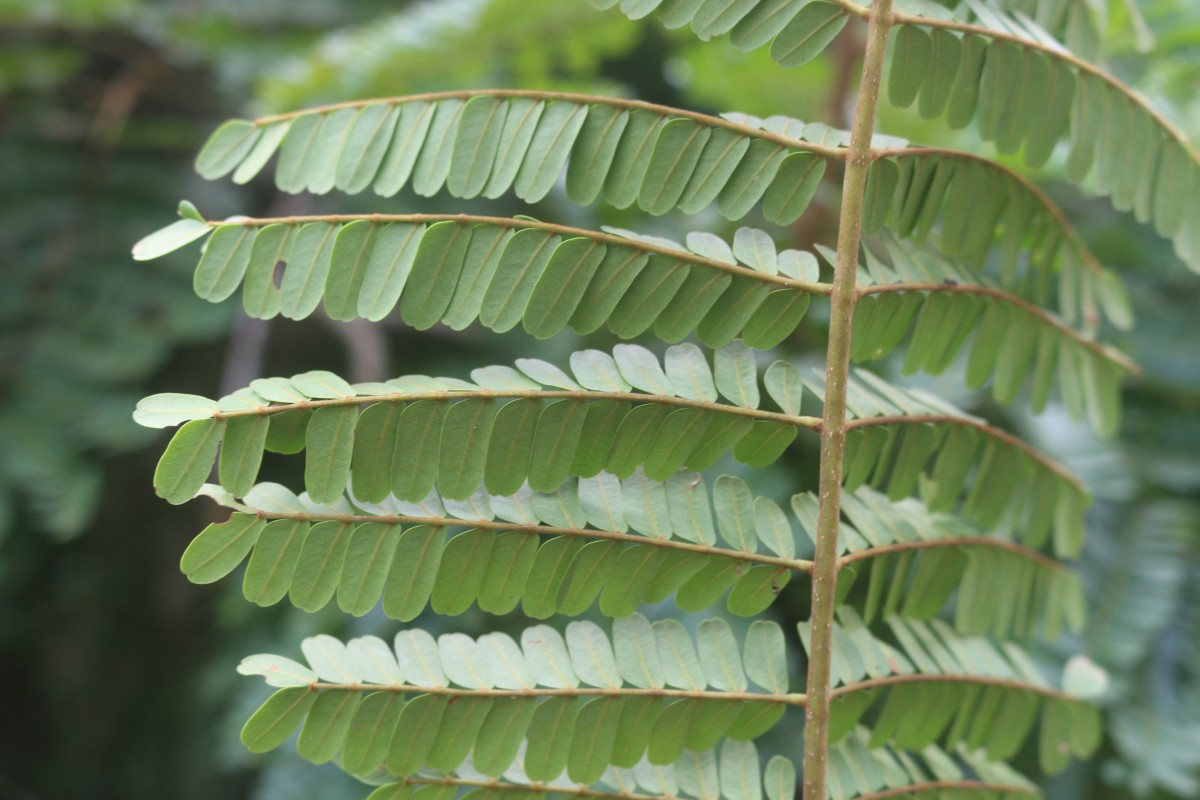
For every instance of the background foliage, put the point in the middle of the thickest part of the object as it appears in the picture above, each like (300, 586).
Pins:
(125, 672)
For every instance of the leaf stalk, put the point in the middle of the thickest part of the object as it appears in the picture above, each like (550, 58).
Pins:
(833, 426)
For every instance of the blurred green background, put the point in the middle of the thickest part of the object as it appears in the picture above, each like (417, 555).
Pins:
(118, 675)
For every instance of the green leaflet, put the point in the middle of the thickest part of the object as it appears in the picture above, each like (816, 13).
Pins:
(411, 129)
(418, 438)
(291, 173)
(648, 295)
(521, 264)
(881, 188)
(549, 570)
(674, 13)
(169, 239)
(784, 386)
(559, 428)
(277, 718)
(715, 17)
(735, 513)
(415, 733)
(550, 738)
(589, 755)
(188, 459)
(722, 434)
(286, 431)
(754, 173)
(556, 130)
(946, 51)
(1026, 105)
(414, 569)
(374, 451)
(632, 158)
(241, 453)
(591, 655)
(1059, 95)
(912, 52)
(688, 373)
(326, 148)
(964, 94)
(433, 166)
(645, 504)
(260, 296)
(365, 567)
(328, 721)
(508, 572)
(776, 319)
(740, 778)
(793, 187)
(478, 139)
(463, 449)
(370, 733)
(273, 562)
(677, 150)
(306, 267)
(675, 442)
(349, 263)
(226, 148)
(463, 661)
(641, 369)
(755, 591)
(479, 267)
(507, 467)
(171, 409)
(221, 269)
(329, 442)
(636, 726)
(808, 33)
(718, 651)
(737, 375)
(731, 313)
(460, 571)
(320, 384)
(763, 23)
(320, 565)
(260, 154)
(756, 249)
(220, 548)
(589, 570)
(501, 734)
(560, 289)
(633, 573)
(637, 652)
(594, 151)
(634, 439)
(435, 270)
(717, 163)
(366, 145)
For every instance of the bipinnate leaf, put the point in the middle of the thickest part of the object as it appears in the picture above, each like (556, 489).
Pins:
(557, 489)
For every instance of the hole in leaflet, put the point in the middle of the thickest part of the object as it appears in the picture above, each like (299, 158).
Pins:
(277, 277)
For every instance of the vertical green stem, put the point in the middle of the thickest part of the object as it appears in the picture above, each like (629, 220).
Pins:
(833, 428)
